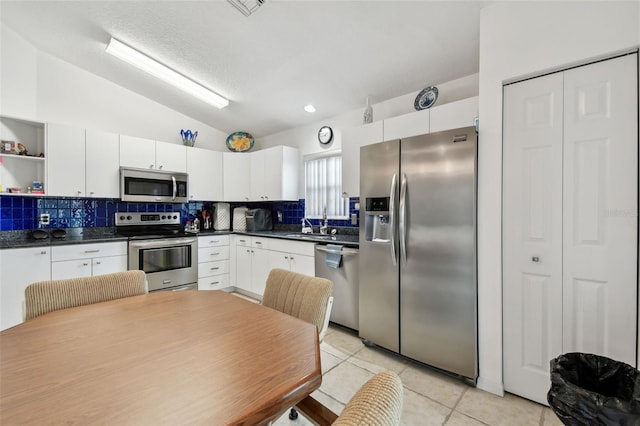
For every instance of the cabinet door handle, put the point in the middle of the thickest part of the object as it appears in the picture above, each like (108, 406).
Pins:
(215, 269)
(535, 259)
(286, 257)
(215, 282)
(291, 258)
(151, 166)
(258, 242)
(43, 252)
(216, 241)
(91, 251)
(248, 251)
(91, 192)
(98, 263)
(85, 264)
(243, 241)
(160, 168)
(214, 254)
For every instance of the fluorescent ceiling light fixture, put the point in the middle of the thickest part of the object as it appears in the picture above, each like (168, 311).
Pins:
(145, 63)
(246, 7)
(310, 108)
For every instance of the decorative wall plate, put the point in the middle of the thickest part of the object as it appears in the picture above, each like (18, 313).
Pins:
(240, 141)
(426, 98)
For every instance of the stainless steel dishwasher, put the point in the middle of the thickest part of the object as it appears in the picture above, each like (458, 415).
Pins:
(345, 284)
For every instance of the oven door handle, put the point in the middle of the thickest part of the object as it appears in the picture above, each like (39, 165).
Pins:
(162, 243)
(175, 188)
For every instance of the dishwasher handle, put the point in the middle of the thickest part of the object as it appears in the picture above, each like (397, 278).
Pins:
(344, 252)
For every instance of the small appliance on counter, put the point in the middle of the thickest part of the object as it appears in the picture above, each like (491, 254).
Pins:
(258, 220)
(239, 221)
(221, 216)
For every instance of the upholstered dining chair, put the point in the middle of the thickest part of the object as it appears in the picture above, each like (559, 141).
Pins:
(304, 297)
(301, 296)
(46, 296)
(377, 403)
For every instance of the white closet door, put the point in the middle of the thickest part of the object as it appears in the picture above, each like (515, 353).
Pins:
(532, 233)
(600, 209)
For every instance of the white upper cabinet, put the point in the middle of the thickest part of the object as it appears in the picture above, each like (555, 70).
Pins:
(274, 174)
(81, 163)
(137, 152)
(258, 166)
(65, 160)
(407, 125)
(205, 174)
(149, 154)
(453, 115)
(352, 139)
(266, 175)
(102, 164)
(448, 116)
(171, 157)
(237, 176)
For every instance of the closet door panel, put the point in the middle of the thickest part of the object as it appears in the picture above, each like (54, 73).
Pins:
(600, 235)
(532, 233)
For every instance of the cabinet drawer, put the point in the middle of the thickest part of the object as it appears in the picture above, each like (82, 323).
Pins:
(207, 269)
(71, 269)
(213, 240)
(260, 242)
(216, 282)
(87, 251)
(297, 247)
(209, 254)
(243, 240)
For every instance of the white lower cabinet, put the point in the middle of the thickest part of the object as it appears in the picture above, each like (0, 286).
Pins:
(252, 263)
(85, 260)
(257, 256)
(213, 262)
(19, 268)
(292, 256)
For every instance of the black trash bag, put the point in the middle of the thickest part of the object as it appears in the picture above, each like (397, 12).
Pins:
(589, 390)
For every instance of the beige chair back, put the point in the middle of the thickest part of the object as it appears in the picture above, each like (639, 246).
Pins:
(46, 296)
(301, 296)
(377, 403)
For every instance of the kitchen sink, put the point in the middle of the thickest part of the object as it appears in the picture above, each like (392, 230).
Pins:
(309, 236)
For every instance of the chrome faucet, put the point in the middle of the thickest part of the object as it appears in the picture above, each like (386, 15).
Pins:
(325, 227)
(306, 229)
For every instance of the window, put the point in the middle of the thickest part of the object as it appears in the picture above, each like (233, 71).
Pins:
(323, 187)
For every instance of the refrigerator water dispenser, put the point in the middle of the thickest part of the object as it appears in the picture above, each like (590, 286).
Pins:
(376, 220)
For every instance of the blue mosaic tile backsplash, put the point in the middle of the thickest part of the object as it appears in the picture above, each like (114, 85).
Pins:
(22, 213)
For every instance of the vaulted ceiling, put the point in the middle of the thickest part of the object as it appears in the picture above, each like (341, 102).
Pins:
(332, 54)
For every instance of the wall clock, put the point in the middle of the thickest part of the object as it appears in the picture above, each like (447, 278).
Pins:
(325, 135)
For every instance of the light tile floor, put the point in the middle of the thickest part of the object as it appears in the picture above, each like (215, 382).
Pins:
(430, 398)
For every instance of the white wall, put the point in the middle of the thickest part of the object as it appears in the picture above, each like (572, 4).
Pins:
(40, 87)
(521, 39)
(17, 76)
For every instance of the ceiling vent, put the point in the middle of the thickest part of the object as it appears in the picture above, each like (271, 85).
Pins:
(247, 7)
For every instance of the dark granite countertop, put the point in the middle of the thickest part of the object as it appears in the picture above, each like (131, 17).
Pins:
(24, 239)
(349, 240)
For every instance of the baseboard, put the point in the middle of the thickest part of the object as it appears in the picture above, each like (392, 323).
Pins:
(496, 388)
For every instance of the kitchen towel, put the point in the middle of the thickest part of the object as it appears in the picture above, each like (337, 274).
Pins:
(334, 260)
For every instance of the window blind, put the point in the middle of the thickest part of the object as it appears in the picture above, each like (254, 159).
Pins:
(323, 188)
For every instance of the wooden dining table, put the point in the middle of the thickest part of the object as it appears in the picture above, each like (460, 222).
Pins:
(189, 357)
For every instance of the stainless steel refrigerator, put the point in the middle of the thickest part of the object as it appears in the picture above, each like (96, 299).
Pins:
(418, 291)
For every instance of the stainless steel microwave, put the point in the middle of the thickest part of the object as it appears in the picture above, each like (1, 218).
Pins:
(153, 186)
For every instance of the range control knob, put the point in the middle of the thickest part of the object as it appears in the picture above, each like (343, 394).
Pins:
(175, 217)
(128, 217)
(164, 216)
(121, 217)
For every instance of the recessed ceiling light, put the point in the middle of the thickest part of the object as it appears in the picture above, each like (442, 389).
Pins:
(145, 63)
(310, 108)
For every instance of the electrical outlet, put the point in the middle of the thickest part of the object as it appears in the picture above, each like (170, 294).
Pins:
(354, 218)
(44, 219)
(356, 206)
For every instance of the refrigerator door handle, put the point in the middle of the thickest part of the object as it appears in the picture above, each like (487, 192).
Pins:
(403, 219)
(392, 217)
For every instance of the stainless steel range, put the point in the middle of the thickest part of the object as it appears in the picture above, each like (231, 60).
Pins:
(159, 246)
